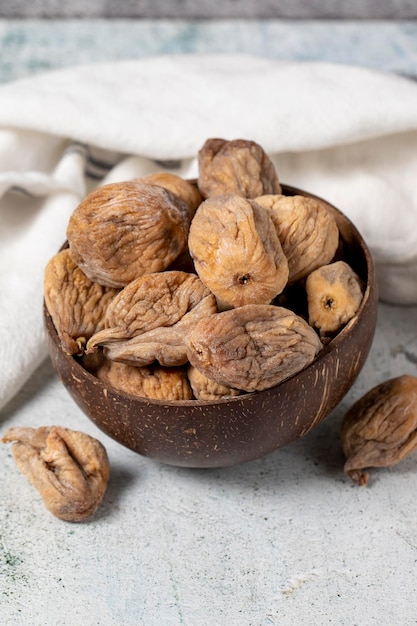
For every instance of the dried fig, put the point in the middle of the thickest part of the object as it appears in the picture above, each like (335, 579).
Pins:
(252, 347)
(308, 232)
(166, 344)
(236, 251)
(123, 230)
(69, 469)
(380, 429)
(76, 304)
(184, 189)
(239, 166)
(206, 389)
(147, 382)
(149, 317)
(334, 294)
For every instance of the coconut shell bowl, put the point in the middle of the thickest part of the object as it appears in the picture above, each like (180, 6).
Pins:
(226, 432)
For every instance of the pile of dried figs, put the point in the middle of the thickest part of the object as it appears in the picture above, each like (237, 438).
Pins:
(183, 290)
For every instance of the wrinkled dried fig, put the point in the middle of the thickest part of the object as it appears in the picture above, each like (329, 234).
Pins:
(308, 232)
(147, 382)
(76, 304)
(69, 469)
(380, 429)
(239, 166)
(151, 301)
(148, 319)
(163, 344)
(123, 230)
(207, 389)
(180, 187)
(236, 251)
(334, 294)
(252, 347)
(166, 344)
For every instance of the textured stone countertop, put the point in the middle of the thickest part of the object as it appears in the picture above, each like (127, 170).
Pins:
(284, 540)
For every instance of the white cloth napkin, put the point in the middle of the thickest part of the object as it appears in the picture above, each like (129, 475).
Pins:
(345, 133)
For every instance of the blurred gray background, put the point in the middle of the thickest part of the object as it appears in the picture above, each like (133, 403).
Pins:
(307, 9)
(42, 35)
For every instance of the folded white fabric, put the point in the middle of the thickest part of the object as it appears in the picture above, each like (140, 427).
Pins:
(347, 134)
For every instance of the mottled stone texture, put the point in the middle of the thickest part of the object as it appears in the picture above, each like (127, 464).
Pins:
(374, 9)
(32, 46)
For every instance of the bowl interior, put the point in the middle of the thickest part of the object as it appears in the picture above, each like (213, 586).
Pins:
(197, 433)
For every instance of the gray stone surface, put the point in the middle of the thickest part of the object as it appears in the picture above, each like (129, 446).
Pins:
(400, 9)
(33, 46)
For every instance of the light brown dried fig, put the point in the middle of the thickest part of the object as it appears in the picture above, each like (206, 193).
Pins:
(166, 344)
(308, 232)
(154, 381)
(239, 166)
(76, 304)
(236, 251)
(206, 389)
(252, 347)
(380, 429)
(184, 189)
(148, 319)
(69, 468)
(151, 301)
(334, 294)
(163, 344)
(123, 230)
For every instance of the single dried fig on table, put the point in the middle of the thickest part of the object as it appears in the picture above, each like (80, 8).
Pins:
(148, 319)
(154, 381)
(236, 251)
(121, 231)
(239, 166)
(307, 231)
(252, 347)
(207, 389)
(380, 429)
(334, 294)
(76, 304)
(184, 189)
(69, 469)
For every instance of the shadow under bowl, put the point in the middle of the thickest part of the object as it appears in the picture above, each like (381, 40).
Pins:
(209, 434)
